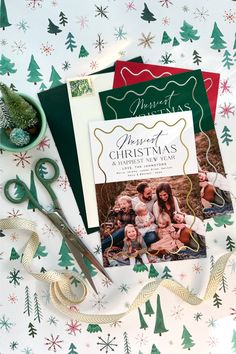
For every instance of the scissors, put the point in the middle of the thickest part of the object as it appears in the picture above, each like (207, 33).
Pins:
(56, 215)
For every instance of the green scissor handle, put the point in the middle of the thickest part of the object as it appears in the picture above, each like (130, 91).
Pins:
(42, 177)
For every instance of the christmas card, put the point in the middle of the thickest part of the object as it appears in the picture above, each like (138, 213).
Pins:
(147, 189)
(131, 73)
(178, 93)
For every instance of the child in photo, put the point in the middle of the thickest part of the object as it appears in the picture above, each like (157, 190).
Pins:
(144, 219)
(134, 245)
(168, 237)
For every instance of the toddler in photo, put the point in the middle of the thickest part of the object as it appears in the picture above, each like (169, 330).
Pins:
(134, 245)
(144, 219)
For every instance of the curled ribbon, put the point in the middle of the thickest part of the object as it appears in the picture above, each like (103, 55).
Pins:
(61, 294)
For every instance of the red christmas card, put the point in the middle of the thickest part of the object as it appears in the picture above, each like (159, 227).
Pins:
(128, 73)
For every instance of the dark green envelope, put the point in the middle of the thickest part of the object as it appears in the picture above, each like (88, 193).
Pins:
(56, 106)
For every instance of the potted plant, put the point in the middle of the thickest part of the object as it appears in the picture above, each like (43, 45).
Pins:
(22, 121)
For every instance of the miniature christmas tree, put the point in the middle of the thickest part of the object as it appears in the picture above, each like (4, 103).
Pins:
(4, 116)
(147, 15)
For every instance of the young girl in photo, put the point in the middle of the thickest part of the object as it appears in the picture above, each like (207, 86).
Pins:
(168, 237)
(144, 219)
(134, 245)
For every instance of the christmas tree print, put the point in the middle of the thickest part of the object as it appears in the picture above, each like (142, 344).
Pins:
(92, 270)
(2, 234)
(175, 42)
(28, 304)
(54, 78)
(32, 330)
(165, 38)
(52, 28)
(187, 342)
(230, 244)
(34, 74)
(138, 268)
(147, 15)
(154, 350)
(148, 308)
(72, 349)
(37, 309)
(159, 324)
(209, 227)
(188, 33)
(217, 42)
(217, 300)
(226, 136)
(127, 349)
(143, 324)
(234, 341)
(70, 42)
(42, 87)
(197, 59)
(42, 170)
(63, 20)
(166, 273)
(6, 66)
(227, 60)
(153, 273)
(83, 52)
(65, 260)
(40, 252)
(223, 220)
(33, 191)
(223, 284)
(14, 255)
(93, 328)
(3, 16)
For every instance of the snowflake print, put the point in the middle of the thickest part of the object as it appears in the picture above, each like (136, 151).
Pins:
(1, 254)
(14, 277)
(165, 3)
(211, 322)
(53, 343)
(232, 265)
(226, 110)
(197, 268)
(124, 288)
(230, 16)
(177, 312)
(233, 313)
(14, 237)
(93, 65)
(73, 327)
(107, 343)
(49, 230)
(225, 87)
(99, 43)
(116, 324)
(14, 213)
(44, 143)
(141, 339)
(54, 3)
(106, 282)
(212, 342)
(27, 350)
(166, 59)
(22, 25)
(14, 345)
(119, 33)
(63, 183)
(185, 8)
(83, 22)
(97, 249)
(130, 6)
(52, 320)
(47, 49)
(182, 276)
(66, 65)
(101, 11)
(146, 41)
(99, 301)
(3, 42)
(12, 298)
(45, 296)
(5, 323)
(165, 21)
(18, 47)
(201, 14)
(198, 316)
(22, 159)
(33, 4)
(122, 53)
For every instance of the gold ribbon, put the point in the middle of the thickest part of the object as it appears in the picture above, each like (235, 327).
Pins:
(60, 287)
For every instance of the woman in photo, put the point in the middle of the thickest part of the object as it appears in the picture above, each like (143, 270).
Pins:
(166, 201)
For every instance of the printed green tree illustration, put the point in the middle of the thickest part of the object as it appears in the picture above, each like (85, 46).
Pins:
(143, 324)
(93, 328)
(154, 350)
(188, 33)
(37, 309)
(65, 260)
(54, 78)
(159, 325)
(40, 252)
(127, 349)
(209, 227)
(14, 255)
(90, 267)
(70, 42)
(166, 273)
(63, 20)
(175, 42)
(73, 279)
(228, 61)
(223, 284)
(147, 15)
(234, 340)
(223, 220)
(72, 349)
(83, 52)
(197, 59)
(28, 304)
(153, 273)
(226, 136)
(42, 270)
(34, 74)
(217, 300)
(6, 66)
(42, 87)
(42, 170)
(32, 330)
(2, 234)
(52, 28)
(187, 342)
(33, 191)
(165, 38)
(148, 308)
(230, 244)
(138, 268)
(3, 16)
(217, 42)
